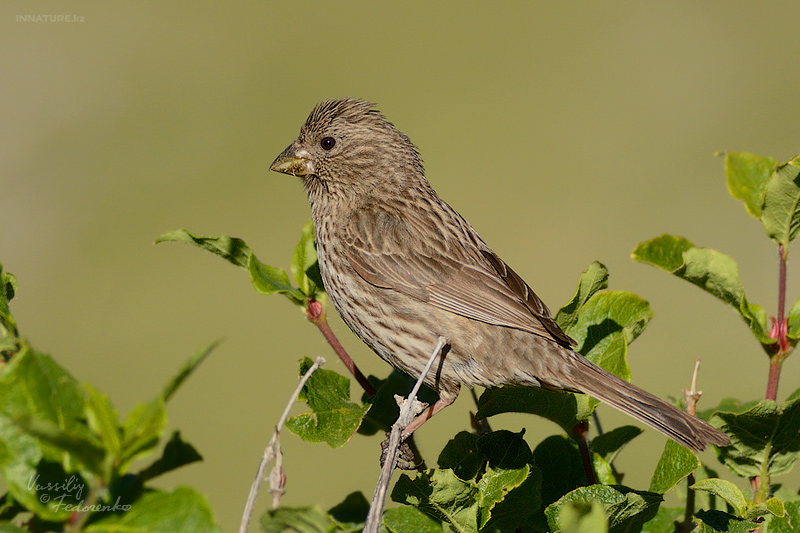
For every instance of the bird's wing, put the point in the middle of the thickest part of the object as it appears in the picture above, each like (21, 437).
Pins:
(386, 252)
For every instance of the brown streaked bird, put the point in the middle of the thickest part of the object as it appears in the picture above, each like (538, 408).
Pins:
(403, 268)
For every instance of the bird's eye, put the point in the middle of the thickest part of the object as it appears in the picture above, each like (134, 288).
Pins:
(327, 143)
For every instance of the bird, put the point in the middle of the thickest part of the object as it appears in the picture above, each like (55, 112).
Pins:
(403, 268)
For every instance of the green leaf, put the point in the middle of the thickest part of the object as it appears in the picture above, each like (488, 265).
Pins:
(9, 336)
(469, 505)
(582, 517)
(182, 510)
(593, 279)
(637, 508)
(609, 322)
(34, 387)
(270, 280)
(177, 453)
(675, 464)
(37, 394)
(333, 418)
(725, 490)
(603, 471)
(408, 519)
(462, 455)
(305, 268)
(103, 420)
(712, 521)
(710, 270)
(728, 405)
(20, 454)
(141, 431)
(8, 288)
(763, 438)
(773, 506)
(747, 175)
(781, 211)
(508, 451)
(664, 521)
(441, 494)
(561, 465)
(265, 278)
(789, 522)
(505, 449)
(563, 408)
(626, 509)
(308, 519)
(233, 250)
(44, 487)
(79, 447)
(606, 325)
(609, 444)
(493, 487)
(793, 321)
(520, 508)
(351, 514)
(186, 370)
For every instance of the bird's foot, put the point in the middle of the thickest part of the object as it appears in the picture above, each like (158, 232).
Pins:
(405, 456)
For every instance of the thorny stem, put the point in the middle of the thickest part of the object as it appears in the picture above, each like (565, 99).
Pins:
(317, 316)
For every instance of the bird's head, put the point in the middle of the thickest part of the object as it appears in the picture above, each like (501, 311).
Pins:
(348, 149)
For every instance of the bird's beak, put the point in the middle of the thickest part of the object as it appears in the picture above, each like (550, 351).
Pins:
(294, 160)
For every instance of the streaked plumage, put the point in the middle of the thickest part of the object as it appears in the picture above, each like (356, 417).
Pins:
(402, 268)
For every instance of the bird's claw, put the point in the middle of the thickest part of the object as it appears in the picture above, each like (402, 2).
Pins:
(405, 457)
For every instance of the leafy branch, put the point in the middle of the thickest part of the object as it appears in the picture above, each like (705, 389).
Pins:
(309, 294)
(53, 428)
(67, 458)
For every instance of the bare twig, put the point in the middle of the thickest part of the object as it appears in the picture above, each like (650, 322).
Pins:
(273, 451)
(692, 396)
(410, 408)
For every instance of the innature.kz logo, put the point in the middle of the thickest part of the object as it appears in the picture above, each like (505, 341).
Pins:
(51, 18)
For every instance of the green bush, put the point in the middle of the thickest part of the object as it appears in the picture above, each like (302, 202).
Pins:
(65, 456)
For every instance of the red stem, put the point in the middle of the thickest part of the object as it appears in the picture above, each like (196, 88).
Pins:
(775, 365)
(579, 433)
(316, 315)
(779, 330)
(782, 253)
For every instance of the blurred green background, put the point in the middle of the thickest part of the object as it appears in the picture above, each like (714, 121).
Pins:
(565, 132)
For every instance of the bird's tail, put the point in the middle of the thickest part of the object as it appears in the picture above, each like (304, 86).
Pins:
(643, 406)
